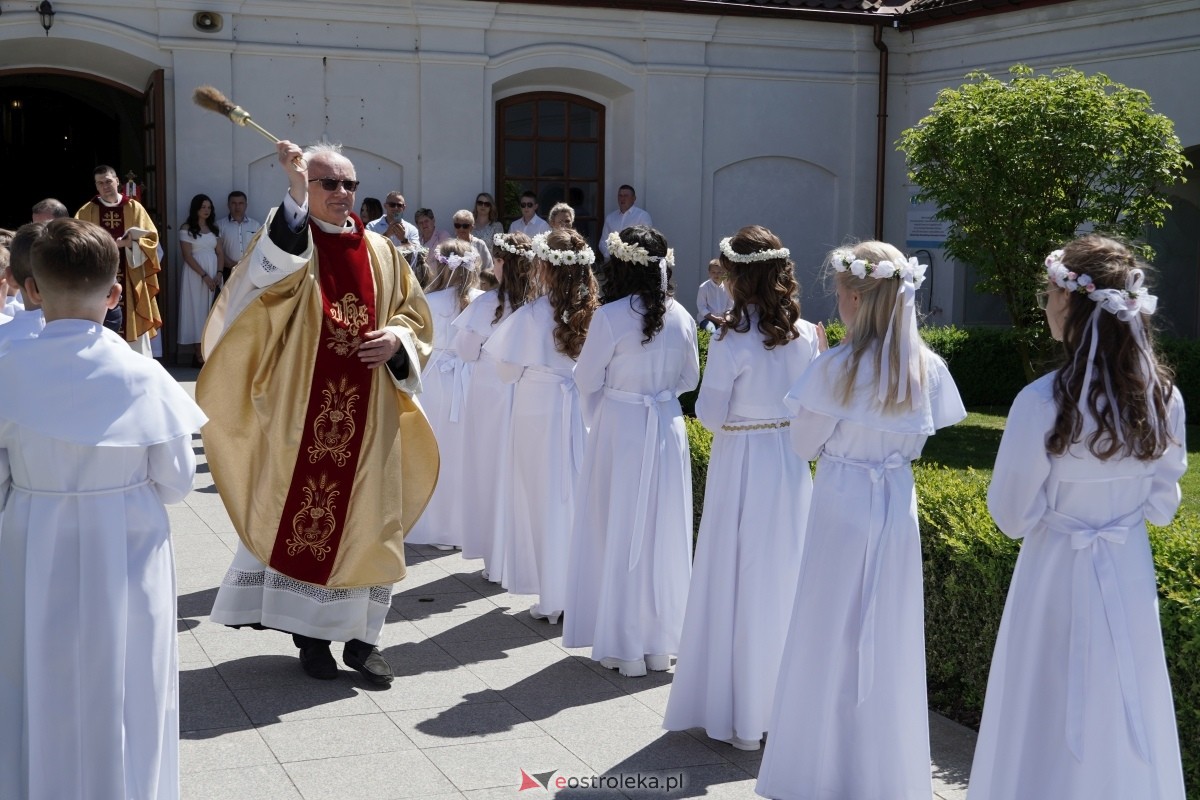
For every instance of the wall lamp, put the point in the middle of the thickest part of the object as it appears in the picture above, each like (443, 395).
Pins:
(46, 12)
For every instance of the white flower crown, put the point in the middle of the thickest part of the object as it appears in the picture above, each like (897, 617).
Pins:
(560, 258)
(634, 253)
(845, 260)
(749, 258)
(501, 241)
(1125, 303)
(469, 262)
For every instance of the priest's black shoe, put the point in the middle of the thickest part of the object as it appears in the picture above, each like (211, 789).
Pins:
(315, 658)
(369, 661)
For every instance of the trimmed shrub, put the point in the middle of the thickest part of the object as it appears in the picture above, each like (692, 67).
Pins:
(687, 400)
(700, 444)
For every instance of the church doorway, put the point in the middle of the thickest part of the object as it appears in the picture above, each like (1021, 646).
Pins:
(57, 125)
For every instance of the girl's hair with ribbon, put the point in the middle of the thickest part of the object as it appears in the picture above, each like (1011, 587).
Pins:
(640, 264)
(760, 274)
(563, 264)
(514, 252)
(884, 328)
(1111, 372)
(457, 266)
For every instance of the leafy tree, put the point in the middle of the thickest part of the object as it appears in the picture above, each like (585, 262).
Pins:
(1016, 167)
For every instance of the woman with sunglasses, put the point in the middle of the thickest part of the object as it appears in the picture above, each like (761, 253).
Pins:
(487, 219)
(464, 225)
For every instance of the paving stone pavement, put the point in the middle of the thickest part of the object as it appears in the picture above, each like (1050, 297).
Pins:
(484, 694)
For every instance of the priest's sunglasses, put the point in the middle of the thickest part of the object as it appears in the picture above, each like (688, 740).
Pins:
(331, 184)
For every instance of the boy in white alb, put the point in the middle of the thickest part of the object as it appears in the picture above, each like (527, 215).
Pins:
(28, 321)
(92, 445)
(712, 299)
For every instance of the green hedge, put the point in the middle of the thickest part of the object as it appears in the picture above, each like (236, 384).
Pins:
(968, 563)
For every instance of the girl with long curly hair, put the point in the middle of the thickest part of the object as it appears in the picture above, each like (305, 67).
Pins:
(850, 717)
(631, 543)
(445, 383)
(1078, 698)
(488, 407)
(537, 347)
(755, 501)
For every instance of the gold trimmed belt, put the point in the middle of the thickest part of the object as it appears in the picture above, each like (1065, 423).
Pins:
(765, 425)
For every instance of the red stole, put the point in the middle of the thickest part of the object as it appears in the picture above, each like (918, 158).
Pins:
(314, 515)
(112, 219)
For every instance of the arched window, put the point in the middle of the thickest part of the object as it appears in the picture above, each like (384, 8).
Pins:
(552, 144)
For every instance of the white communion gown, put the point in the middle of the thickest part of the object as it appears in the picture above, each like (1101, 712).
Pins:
(485, 437)
(751, 535)
(1079, 703)
(446, 381)
(851, 716)
(195, 299)
(546, 439)
(631, 541)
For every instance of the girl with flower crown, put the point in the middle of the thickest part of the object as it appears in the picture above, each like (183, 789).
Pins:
(489, 405)
(631, 544)
(1078, 701)
(537, 347)
(444, 385)
(755, 501)
(850, 718)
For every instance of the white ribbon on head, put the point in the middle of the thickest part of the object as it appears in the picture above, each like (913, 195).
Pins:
(469, 262)
(912, 275)
(1128, 306)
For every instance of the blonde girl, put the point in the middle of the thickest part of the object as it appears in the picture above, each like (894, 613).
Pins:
(850, 716)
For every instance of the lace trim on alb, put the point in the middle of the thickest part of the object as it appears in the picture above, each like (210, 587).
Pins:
(321, 594)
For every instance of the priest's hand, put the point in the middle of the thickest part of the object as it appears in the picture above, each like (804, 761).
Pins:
(379, 347)
(295, 166)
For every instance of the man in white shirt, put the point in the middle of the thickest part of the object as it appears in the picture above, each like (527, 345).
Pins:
(626, 215)
(392, 224)
(237, 230)
(530, 223)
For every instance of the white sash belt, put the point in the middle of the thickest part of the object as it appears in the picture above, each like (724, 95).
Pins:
(883, 509)
(654, 405)
(1093, 566)
(448, 361)
(83, 493)
(572, 432)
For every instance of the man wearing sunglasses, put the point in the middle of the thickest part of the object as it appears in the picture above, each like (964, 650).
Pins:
(322, 456)
(530, 223)
(393, 225)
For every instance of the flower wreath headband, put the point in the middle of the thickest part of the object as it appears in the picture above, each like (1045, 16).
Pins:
(911, 275)
(560, 258)
(1127, 305)
(750, 258)
(501, 240)
(469, 262)
(636, 254)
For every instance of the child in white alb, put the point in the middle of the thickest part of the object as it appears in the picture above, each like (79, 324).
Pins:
(712, 298)
(851, 717)
(755, 502)
(488, 410)
(445, 383)
(94, 440)
(537, 347)
(1078, 700)
(631, 543)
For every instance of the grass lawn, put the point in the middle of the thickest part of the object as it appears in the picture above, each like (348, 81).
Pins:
(974, 442)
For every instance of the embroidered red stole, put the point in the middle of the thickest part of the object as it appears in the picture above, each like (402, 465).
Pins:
(112, 219)
(314, 515)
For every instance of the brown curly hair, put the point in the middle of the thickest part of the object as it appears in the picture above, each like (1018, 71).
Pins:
(516, 277)
(769, 286)
(626, 279)
(572, 291)
(1121, 363)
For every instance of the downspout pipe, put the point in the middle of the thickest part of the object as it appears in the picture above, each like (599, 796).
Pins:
(881, 130)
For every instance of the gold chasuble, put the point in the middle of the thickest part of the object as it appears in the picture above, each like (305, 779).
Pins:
(323, 464)
(139, 281)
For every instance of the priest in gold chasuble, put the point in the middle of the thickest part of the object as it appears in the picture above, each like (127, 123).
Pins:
(137, 241)
(323, 458)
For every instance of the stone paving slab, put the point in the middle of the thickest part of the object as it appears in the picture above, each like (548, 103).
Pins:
(485, 697)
